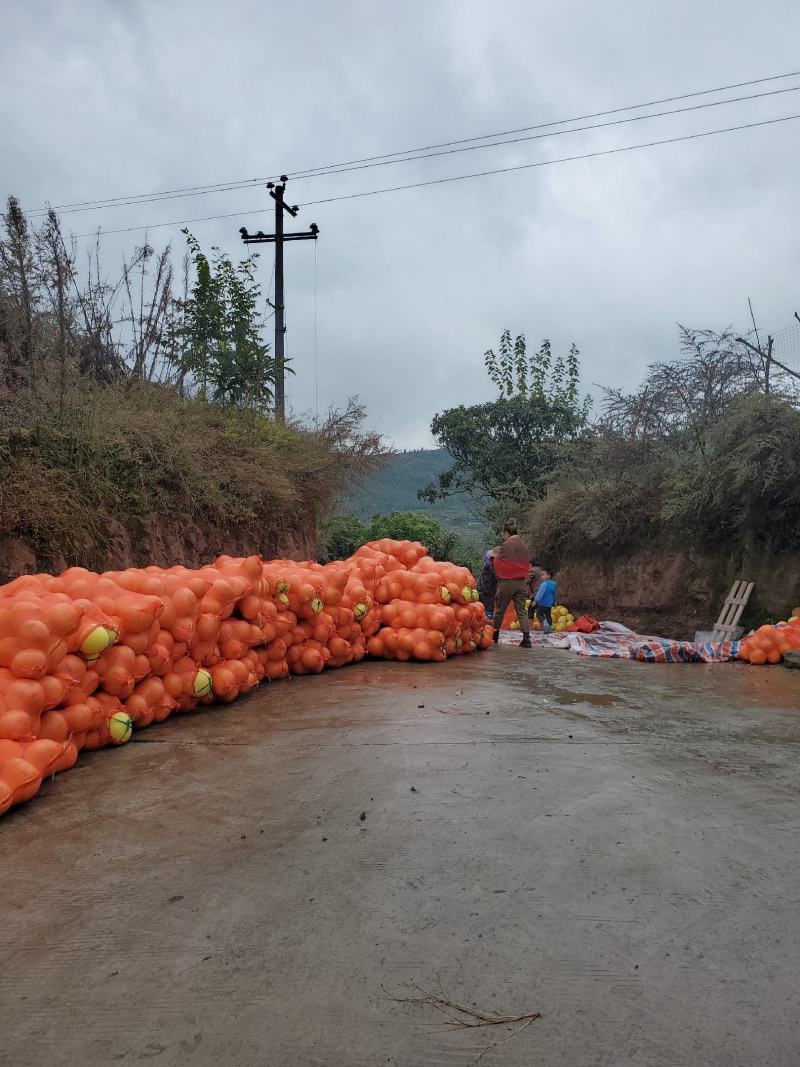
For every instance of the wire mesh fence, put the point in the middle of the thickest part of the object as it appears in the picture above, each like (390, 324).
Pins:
(786, 347)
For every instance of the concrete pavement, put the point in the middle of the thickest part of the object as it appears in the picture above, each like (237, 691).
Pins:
(613, 844)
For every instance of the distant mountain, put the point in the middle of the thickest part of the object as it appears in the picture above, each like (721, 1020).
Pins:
(394, 488)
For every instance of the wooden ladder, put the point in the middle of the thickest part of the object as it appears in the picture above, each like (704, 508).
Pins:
(732, 610)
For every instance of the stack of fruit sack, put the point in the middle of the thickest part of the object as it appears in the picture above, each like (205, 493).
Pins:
(769, 644)
(87, 658)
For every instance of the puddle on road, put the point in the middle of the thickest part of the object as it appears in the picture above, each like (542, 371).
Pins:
(597, 700)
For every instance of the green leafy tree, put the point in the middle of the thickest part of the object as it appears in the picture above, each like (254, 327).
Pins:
(220, 332)
(341, 536)
(507, 450)
(441, 543)
(701, 456)
(413, 526)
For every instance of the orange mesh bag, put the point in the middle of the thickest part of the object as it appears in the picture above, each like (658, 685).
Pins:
(187, 683)
(407, 553)
(149, 702)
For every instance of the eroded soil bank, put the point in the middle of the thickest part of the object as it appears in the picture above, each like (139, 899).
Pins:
(674, 593)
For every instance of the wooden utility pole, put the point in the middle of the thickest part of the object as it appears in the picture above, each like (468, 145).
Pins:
(278, 238)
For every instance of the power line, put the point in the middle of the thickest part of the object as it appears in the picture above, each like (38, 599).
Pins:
(562, 133)
(179, 222)
(268, 314)
(459, 177)
(415, 153)
(550, 162)
(334, 167)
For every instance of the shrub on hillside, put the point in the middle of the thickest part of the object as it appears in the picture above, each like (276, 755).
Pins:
(111, 448)
(122, 455)
(340, 536)
(742, 488)
(745, 488)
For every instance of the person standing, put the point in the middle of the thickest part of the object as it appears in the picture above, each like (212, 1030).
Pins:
(545, 598)
(487, 582)
(512, 566)
(534, 581)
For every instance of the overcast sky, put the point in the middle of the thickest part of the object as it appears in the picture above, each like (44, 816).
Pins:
(105, 99)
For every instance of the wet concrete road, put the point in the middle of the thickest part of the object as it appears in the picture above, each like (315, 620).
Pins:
(610, 843)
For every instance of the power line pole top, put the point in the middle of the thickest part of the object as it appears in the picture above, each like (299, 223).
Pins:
(278, 239)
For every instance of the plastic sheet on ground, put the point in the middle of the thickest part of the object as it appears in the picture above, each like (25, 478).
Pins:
(615, 641)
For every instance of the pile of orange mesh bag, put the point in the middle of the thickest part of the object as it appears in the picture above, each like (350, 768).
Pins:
(86, 659)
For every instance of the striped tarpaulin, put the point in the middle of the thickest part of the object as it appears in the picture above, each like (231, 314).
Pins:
(615, 641)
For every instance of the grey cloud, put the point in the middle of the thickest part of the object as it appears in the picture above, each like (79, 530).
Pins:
(102, 99)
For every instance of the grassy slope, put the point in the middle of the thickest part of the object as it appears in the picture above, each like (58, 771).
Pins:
(131, 473)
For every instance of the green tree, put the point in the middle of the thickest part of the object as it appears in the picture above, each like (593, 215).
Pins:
(341, 536)
(700, 455)
(506, 450)
(220, 332)
(413, 526)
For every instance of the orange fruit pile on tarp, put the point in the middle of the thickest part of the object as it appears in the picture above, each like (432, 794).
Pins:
(769, 643)
(87, 658)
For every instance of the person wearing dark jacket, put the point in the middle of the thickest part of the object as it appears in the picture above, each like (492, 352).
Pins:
(512, 566)
(534, 581)
(487, 582)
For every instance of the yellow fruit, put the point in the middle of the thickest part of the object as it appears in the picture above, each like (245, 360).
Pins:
(444, 592)
(202, 683)
(359, 610)
(120, 727)
(515, 625)
(97, 641)
(570, 620)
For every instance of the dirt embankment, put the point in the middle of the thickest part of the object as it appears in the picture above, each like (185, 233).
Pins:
(130, 473)
(674, 592)
(158, 541)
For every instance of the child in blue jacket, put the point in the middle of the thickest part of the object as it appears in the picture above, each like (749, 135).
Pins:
(545, 599)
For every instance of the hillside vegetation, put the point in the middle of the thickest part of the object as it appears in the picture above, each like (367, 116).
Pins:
(396, 485)
(704, 455)
(132, 473)
(134, 424)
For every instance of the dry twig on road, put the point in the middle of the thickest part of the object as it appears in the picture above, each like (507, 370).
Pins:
(462, 1017)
